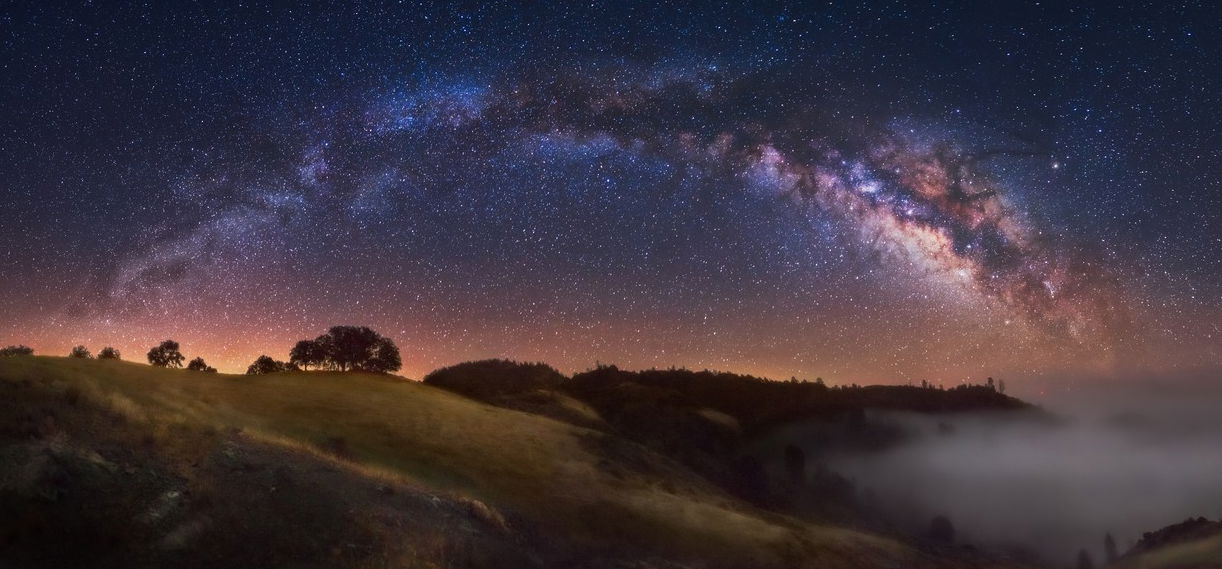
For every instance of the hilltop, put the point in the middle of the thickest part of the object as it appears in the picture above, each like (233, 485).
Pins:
(1191, 544)
(144, 466)
(721, 425)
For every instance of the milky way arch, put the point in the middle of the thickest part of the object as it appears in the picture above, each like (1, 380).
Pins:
(927, 203)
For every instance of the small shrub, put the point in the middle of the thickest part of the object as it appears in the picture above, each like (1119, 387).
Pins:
(18, 350)
(265, 364)
(198, 364)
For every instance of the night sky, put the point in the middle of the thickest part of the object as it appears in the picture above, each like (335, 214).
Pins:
(881, 193)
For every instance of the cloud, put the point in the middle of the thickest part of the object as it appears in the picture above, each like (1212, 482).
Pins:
(1128, 458)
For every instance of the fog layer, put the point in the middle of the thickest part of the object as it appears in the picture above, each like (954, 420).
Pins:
(1124, 460)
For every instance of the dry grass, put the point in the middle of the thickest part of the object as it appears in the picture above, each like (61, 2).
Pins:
(720, 418)
(412, 433)
(577, 407)
(1199, 554)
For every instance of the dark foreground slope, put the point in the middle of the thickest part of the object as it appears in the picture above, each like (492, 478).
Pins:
(116, 464)
(85, 486)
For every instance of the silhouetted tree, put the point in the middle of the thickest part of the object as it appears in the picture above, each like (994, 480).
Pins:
(1084, 560)
(1110, 554)
(385, 357)
(989, 384)
(350, 345)
(358, 348)
(308, 353)
(1001, 386)
(265, 364)
(80, 352)
(198, 364)
(795, 464)
(19, 350)
(166, 354)
(941, 530)
(108, 353)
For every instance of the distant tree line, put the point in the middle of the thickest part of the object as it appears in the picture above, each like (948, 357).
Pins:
(19, 350)
(341, 348)
(107, 353)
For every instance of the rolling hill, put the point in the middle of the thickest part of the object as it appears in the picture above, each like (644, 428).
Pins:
(1192, 544)
(349, 469)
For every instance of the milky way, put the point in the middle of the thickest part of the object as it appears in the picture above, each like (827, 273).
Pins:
(746, 207)
(924, 203)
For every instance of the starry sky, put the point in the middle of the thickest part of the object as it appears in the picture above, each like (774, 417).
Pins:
(869, 192)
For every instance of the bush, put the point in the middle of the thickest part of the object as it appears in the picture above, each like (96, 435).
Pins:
(108, 353)
(265, 364)
(19, 350)
(198, 364)
(80, 352)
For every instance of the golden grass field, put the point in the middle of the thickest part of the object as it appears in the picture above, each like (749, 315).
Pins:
(389, 427)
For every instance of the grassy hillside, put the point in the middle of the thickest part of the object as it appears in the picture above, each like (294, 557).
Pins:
(1195, 543)
(1198, 554)
(602, 496)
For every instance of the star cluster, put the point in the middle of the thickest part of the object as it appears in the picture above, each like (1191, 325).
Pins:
(875, 193)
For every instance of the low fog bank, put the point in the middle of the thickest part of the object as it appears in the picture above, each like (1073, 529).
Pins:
(1124, 459)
